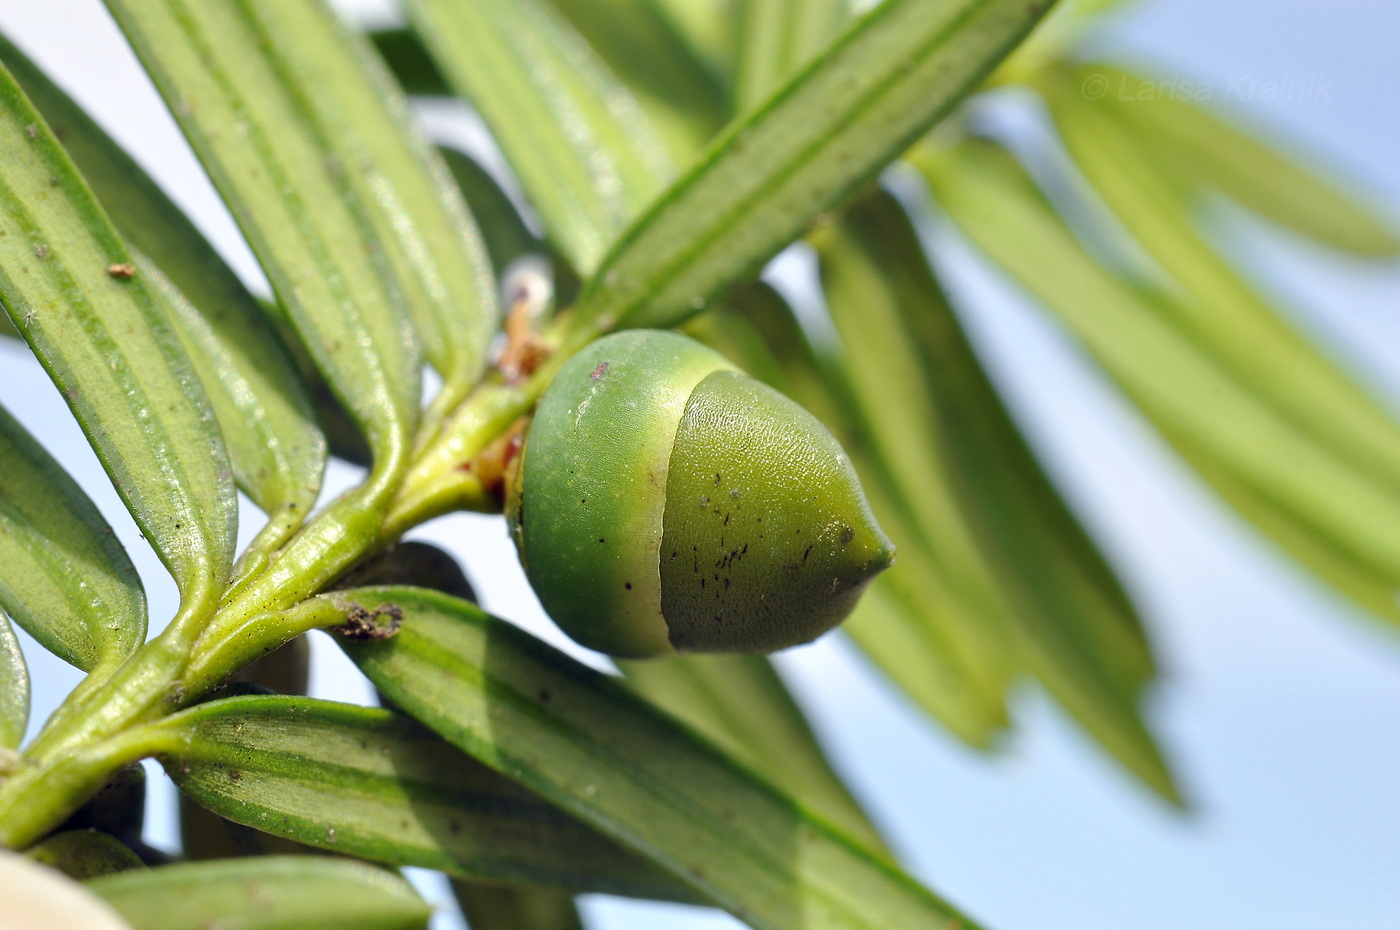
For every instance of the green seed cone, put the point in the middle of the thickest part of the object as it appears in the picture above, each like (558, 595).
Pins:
(768, 541)
(634, 433)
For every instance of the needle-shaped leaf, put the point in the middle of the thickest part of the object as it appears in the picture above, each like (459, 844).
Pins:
(1218, 153)
(583, 149)
(419, 214)
(707, 27)
(373, 784)
(275, 447)
(645, 47)
(896, 72)
(283, 155)
(1081, 633)
(776, 37)
(1311, 501)
(897, 627)
(516, 907)
(1220, 311)
(587, 744)
(67, 282)
(64, 577)
(14, 688)
(404, 53)
(265, 893)
(741, 704)
(503, 230)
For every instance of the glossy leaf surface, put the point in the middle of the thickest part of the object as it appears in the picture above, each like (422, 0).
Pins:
(240, 86)
(275, 447)
(1222, 313)
(776, 37)
(587, 744)
(429, 235)
(64, 577)
(903, 66)
(583, 149)
(504, 232)
(1219, 154)
(266, 893)
(14, 688)
(376, 785)
(646, 47)
(1084, 638)
(742, 705)
(1315, 504)
(67, 281)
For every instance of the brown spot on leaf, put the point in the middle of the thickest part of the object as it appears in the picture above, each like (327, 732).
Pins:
(364, 624)
(122, 270)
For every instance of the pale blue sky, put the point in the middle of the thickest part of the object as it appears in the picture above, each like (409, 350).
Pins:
(1281, 703)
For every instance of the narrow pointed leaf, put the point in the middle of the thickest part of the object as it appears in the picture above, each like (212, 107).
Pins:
(516, 907)
(892, 315)
(895, 626)
(776, 37)
(1069, 608)
(376, 785)
(741, 704)
(64, 577)
(106, 343)
(279, 152)
(1222, 313)
(266, 893)
(944, 638)
(587, 744)
(14, 688)
(645, 47)
(706, 27)
(895, 73)
(583, 149)
(1218, 153)
(430, 237)
(1236, 440)
(503, 231)
(276, 449)
(403, 51)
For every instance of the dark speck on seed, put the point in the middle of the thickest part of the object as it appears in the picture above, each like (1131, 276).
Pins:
(628, 586)
(600, 539)
(598, 372)
(847, 534)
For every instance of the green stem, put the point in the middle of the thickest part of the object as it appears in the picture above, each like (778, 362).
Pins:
(39, 797)
(90, 738)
